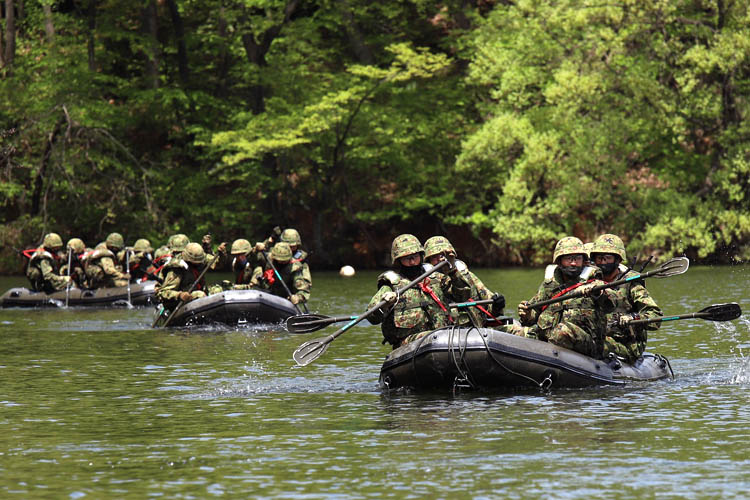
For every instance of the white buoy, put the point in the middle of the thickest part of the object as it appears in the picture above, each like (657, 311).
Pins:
(347, 271)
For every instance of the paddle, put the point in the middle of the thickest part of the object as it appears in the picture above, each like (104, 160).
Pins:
(192, 287)
(715, 312)
(67, 285)
(286, 288)
(672, 267)
(310, 351)
(307, 323)
(127, 270)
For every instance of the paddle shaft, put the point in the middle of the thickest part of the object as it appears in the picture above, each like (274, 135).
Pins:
(127, 270)
(320, 345)
(283, 283)
(192, 287)
(67, 285)
(669, 318)
(578, 294)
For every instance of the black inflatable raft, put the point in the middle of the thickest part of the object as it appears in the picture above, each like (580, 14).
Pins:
(232, 307)
(141, 294)
(482, 358)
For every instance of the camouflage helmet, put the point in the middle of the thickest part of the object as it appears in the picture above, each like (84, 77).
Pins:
(281, 252)
(587, 247)
(114, 240)
(161, 252)
(193, 253)
(240, 247)
(178, 242)
(291, 236)
(52, 240)
(76, 244)
(143, 245)
(403, 245)
(609, 243)
(570, 245)
(436, 245)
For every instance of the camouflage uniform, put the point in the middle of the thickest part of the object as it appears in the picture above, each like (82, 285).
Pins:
(140, 260)
(466, 315)
(103, 269)
(179, 276)
(176, 244)
(626, 341)
(576, 324)
(294, 273)
(415, 313)
(43, 270)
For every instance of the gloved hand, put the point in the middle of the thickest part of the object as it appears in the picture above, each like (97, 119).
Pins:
(524, 311)
(451, 257)
(627, 318)
(126, 276)
(498, 300)
(260, 247)
(206, 239)
(185, 297)
(390, 298)
(222, 248)
(589, 291)
(295, 299)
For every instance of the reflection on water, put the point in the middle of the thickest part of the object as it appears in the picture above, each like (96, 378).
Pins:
(96, 404)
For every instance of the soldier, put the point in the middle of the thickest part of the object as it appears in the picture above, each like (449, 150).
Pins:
(292, 237)
(176, 244)
(422, 308)
(292, 272)
(140, 261)
(180, 275)
(632, 301)
(77, 250)
(578, 324)
(438, 248)
(103, 269)
(43, 269)
(241, 266)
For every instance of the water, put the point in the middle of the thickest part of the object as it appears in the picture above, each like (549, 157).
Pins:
(95, 404)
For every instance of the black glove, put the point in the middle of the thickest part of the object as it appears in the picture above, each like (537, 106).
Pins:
(498, 300)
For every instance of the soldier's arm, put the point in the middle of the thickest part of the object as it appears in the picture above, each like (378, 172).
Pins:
(257, 275)
(645, 306)
(302, 283)
(170, 288)
(108, 266)
(379, 315)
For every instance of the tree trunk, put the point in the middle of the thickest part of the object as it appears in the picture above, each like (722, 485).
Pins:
(10, 33)
(224, 59)
(49, 27)
(179, 30)
(151, 30)
(91, 34)
(36, 197)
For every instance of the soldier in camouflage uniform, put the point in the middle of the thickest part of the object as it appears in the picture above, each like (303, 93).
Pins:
(422, 308)
(437, 249)
(77, 249)
(140, 261)
(179, 276)
(43, 269)
(294, 273)
(103, 268)
(632, 302)
(577, 324)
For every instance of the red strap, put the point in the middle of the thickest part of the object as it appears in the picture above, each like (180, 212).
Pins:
(485, 311)
(269, 277)
(195, 272)
(425, 287)
(563, 292)
(29, 252)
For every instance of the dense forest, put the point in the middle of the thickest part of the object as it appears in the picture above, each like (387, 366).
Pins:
(503, 125)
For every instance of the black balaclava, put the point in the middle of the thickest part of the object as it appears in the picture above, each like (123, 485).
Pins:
(412, 272)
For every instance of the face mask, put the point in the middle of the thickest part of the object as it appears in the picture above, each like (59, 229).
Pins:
(608, 269)
(571, 271)
(411, 273)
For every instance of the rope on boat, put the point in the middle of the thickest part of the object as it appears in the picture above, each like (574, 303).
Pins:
(464, 374)
(545, 384)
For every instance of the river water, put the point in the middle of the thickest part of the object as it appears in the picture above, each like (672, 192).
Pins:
(96, 404)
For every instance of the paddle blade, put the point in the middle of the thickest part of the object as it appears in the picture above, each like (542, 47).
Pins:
(306, 323)
(721, 312)
(671, 268)
(310, 351)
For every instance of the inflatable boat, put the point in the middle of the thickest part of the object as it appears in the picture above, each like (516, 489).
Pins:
(231, 307)
(141, 294)
(483, 358)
